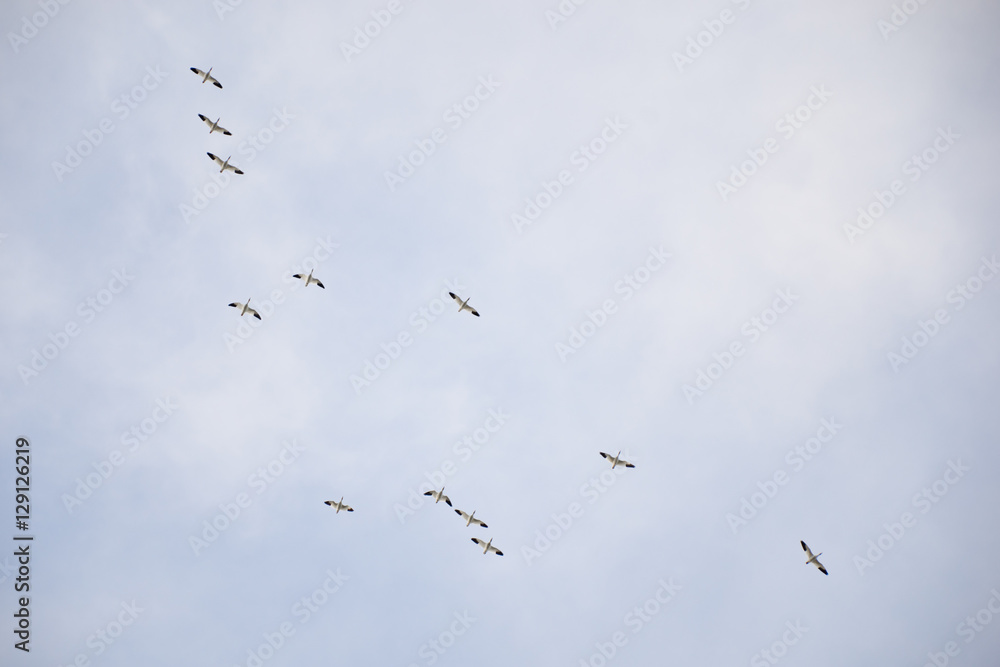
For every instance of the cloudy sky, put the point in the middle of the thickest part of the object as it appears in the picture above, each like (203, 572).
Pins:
(750, 245)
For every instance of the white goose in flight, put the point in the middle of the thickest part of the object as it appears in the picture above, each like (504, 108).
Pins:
(245, 308)
(206, 76)
(487, 546)
(438, 496)
(213, 126)
(308, 280)
(339, 504)
(615, 461)
(813, 559)
(224, 164)
(463, 305)
(470, 519)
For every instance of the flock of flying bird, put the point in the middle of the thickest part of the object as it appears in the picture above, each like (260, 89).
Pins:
(244, 308)
(213, 126)
(470, 519)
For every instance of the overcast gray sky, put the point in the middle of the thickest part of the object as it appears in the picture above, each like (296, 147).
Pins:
(751, 245)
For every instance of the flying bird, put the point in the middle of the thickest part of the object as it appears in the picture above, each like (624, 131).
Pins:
(615, 461)
(438, 496)
(308, 280)
(813, 559)
(339, 504)
(463, 305)
(206, 76)
(213, 126)
(224, 164)
(471, 518)
(245, 308)
(487, 546)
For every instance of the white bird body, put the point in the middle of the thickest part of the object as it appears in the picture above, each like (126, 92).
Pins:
(213, 126)
(339, 505)
(438, 496)
(616, 461)
(813, 559)
(207, 76)
(245, 308)
(224, 164)
(470, 518)
(308, 280)
(463, 305)
(487, 546)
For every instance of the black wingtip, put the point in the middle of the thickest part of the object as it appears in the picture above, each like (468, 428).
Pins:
(427, 493)
(211, 156)
(449, 503)
(239, 171)
(234, 305)
(227, 133)
(194, 69)
(629, 465)
(485, 526)
(476, 314)
(257, 315)
(320, 285)
(452, 295)
(218, 85)
(804, 547)
(499, 553)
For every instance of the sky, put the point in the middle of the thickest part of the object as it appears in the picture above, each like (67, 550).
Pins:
(751, 246)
